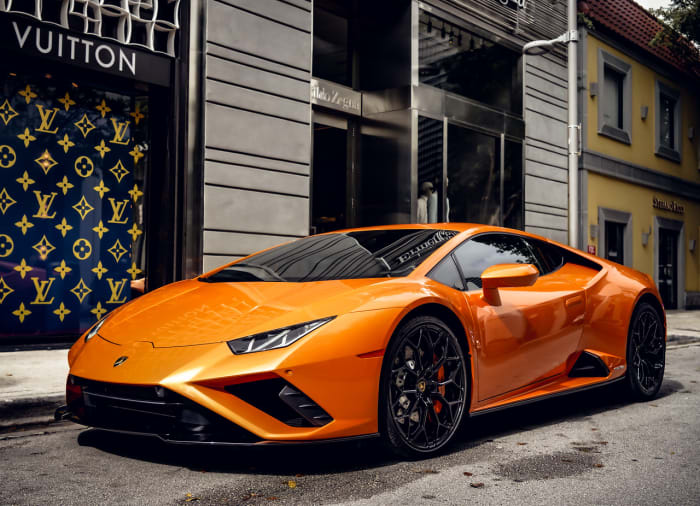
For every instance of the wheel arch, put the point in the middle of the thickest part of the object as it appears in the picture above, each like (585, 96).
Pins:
(654, 302)
(446, 315)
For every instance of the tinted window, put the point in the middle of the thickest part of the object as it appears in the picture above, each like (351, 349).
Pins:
(446, 273)
(481, 252)
(550, 257)
(349, 255)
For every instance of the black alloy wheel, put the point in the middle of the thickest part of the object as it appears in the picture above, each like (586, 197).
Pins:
(646, 352)
(424, 388)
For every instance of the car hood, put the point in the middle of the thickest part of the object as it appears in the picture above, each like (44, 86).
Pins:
(193, 312)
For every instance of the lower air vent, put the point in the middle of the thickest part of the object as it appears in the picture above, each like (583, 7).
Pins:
(589, 365)
(282, 401)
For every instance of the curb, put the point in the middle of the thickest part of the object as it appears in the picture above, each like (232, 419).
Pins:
(16, 413)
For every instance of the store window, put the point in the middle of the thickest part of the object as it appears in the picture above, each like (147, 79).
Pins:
(668, 122)
(482, 186)
(615, 100)
(461, 62)
(430, 207)
(332, 52)
(72, 237)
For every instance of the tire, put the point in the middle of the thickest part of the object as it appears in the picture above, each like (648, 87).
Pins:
(646, 353)
(422, 400)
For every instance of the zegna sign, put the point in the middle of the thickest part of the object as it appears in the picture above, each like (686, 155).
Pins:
(52, 42)
(336, 97)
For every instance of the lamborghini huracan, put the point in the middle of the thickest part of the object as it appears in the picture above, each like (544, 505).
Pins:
(401, 332)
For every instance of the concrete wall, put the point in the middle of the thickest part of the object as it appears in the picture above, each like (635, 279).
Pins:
(257, 133)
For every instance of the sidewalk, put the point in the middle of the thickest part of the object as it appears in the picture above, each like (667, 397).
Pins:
(32, 383)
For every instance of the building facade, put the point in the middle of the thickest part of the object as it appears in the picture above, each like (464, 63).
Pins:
(146, 141)
(331, 114)
(640, 166)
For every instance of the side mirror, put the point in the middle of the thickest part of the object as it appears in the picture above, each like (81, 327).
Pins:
(506, 275)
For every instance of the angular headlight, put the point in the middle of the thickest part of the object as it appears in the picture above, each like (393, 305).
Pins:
(95, 328)
(274, 339)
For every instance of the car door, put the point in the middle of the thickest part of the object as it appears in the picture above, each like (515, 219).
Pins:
(530, 335)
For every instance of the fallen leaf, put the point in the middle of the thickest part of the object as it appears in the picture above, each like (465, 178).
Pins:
(635, 460)
(428, 471)
(476, 485)
(673, 453)
(428, 497)
(594, 429)
(9, 374)
(298, 475)
(271, 498)
(655, 405)
(566, 460)
(467, 473)
(190, 498)
(518, 480)
(522, 444)
(292, 484)
(601, 442)
(599, 465)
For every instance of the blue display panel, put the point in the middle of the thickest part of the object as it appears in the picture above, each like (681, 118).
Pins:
(67, 199)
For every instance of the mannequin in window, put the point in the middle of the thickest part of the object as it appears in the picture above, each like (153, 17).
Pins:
(433, 203)
(426, 190)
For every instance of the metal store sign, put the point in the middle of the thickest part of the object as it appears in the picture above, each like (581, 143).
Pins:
(336, 97)
(49, 41)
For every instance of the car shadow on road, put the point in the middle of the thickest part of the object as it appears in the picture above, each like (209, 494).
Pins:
(322, 459)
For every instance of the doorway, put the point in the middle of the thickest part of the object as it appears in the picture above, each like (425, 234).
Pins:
(668, 268)
(329, 174)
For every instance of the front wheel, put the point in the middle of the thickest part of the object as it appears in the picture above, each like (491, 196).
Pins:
(646, 353)
(424, 389)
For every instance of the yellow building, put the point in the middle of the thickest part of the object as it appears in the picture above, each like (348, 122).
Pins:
(640, 162)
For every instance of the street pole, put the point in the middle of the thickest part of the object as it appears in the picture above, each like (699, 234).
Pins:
(574, 129)
(538, 47)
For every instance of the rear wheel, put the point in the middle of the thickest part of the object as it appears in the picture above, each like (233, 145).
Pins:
(424, 388)
(646, 353)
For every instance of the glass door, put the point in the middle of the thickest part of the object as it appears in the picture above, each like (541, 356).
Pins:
(668, 270)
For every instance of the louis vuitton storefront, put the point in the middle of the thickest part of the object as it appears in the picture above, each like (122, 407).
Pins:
(86, 158)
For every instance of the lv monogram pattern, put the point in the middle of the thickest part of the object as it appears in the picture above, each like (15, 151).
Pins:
(67, 196)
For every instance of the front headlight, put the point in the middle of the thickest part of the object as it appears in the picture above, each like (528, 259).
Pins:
(274, 339)
(93, 331)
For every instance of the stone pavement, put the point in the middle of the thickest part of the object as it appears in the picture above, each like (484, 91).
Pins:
(32, 382)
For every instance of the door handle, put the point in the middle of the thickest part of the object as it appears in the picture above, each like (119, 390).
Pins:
(574, 301)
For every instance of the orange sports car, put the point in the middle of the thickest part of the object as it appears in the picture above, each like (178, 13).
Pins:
(399, 331)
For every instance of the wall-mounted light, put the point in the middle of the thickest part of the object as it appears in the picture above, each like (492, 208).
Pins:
(645, 236)
(594, 230)
(691, 245)
(645, 111)
(593, 89)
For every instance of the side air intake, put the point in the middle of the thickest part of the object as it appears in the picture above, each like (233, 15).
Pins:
(589, 365)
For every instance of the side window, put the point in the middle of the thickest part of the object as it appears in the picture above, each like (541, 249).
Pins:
(446, 273)
(550, 257)
(481, 252)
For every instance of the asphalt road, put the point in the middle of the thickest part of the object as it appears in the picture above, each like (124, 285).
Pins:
(589, 448)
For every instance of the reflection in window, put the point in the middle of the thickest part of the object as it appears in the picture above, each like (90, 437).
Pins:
(430, 144)
(481, 252)
(668, 120)
(331, 51)
(473, 176)
(463, 63)
(348, 255)
(513, 186)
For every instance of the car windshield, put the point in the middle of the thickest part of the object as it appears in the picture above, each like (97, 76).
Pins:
(346, 255)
